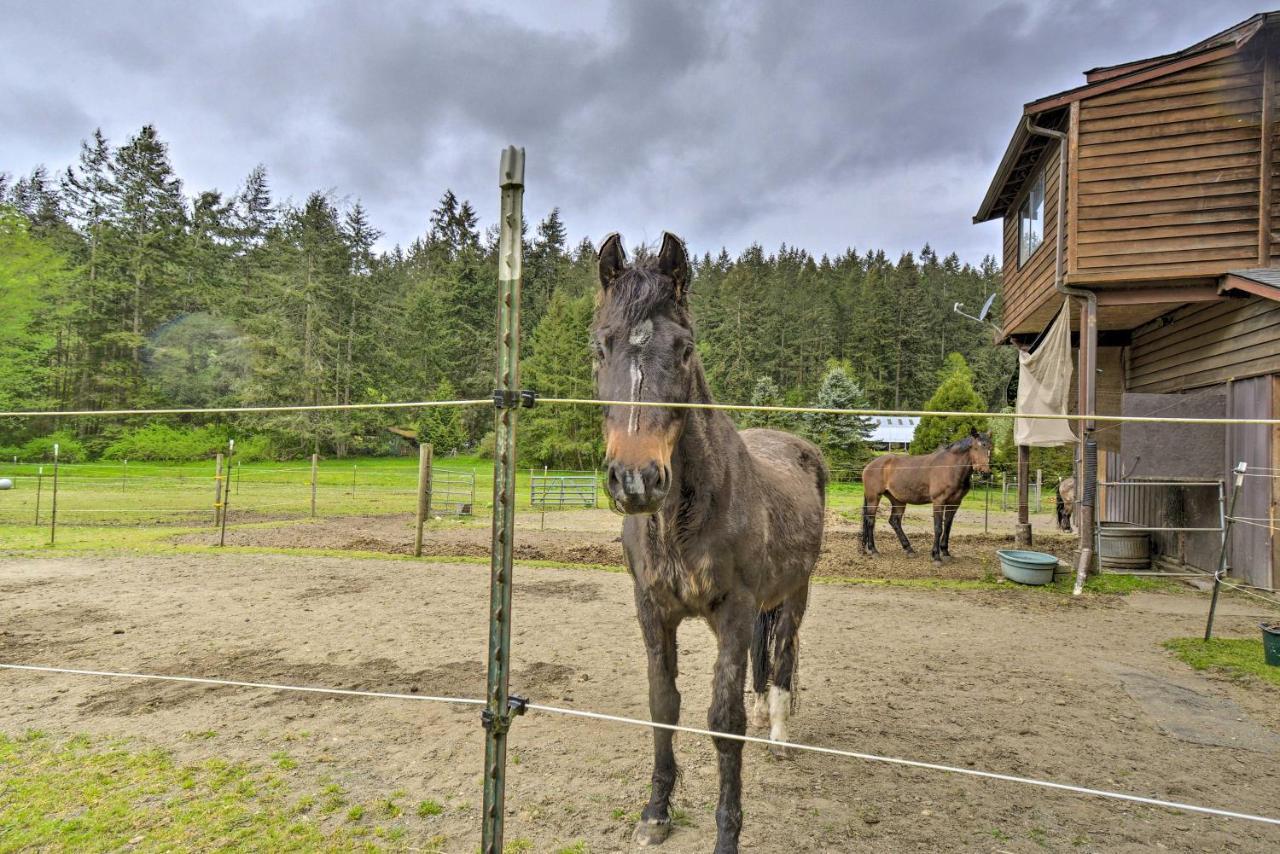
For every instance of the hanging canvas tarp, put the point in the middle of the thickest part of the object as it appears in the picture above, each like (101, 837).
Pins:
(1044, 387)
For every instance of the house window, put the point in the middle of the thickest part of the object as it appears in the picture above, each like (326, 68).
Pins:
(1031, 220)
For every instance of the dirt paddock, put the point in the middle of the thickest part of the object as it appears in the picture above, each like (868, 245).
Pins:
(591, 536)
(1026, 683)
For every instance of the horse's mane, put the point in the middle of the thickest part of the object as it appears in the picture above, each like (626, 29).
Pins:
(962, 444)
(638, 293)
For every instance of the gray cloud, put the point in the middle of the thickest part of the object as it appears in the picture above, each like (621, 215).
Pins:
(822, 124)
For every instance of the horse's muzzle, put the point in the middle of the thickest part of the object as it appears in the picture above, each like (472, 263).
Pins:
(638, 489)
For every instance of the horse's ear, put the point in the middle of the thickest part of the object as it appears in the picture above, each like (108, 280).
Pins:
(673, 261)
(613, 259)
(973, 431)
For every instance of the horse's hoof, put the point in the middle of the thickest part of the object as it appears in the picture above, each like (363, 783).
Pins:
(651, 831)
(937, 561)
(780, 751)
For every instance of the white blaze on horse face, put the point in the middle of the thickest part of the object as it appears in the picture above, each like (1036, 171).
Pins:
(640, 335)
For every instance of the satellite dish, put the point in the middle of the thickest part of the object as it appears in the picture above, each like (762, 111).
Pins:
(982, 315)
(986, 307)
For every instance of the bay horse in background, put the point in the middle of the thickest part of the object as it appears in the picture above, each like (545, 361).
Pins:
(720, 524)
(941, 479)
(1065, 502)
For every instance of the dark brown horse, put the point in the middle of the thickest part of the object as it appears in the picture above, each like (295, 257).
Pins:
(721, 524)
(941, 479)
(1065, 502)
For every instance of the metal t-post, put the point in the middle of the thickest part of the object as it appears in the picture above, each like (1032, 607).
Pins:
(497, 713)
(226, 493)
(1222, 554)
(53, 518)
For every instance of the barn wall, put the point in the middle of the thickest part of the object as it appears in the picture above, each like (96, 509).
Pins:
(1026, 287)
(1166, 452)
(1251, 541)
(1205, 343)
(1157, 452)
(1168, 172)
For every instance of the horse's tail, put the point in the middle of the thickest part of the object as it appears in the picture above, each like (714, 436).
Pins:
(761, 639)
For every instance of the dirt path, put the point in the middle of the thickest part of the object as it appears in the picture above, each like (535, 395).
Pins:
(1021, 683)
(592, 536)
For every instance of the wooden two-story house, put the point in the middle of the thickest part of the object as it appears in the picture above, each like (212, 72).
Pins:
(1149, 197)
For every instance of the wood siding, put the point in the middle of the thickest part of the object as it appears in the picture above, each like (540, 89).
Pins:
(1169, 170)
(1025, 287)
(1204, 344)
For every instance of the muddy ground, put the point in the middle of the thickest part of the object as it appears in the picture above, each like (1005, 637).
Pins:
(1022, 682)
(592, 536)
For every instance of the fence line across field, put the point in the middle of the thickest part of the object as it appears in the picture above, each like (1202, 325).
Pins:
(647, 724)
(647, 404)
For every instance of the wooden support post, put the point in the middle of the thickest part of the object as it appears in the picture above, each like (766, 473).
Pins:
(1022, 531)
(217, 490)
(315, 472)
(39, 484)
(424, 496)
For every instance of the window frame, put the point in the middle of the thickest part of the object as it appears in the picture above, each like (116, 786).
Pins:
(1025, 255)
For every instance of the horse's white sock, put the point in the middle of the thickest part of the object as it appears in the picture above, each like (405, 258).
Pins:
(760, 711)
(779, 712)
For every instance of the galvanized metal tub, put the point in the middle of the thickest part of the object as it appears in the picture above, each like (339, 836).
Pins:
(1120, 548)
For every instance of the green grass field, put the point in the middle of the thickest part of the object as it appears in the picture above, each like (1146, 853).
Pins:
(183, 492)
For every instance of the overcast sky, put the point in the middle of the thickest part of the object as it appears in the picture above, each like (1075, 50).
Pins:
(825, 125)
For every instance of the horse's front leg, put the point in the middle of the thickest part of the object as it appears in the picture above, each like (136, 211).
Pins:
(659, 632)
(732, 622)
(938, 513)
(949, 516)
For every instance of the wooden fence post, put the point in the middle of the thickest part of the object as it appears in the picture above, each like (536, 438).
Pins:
(315, 464)
(424, 495)
(217, 489)
(39, 483)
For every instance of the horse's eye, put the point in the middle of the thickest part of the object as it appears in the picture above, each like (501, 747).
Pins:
(597, 349)
(685, 351)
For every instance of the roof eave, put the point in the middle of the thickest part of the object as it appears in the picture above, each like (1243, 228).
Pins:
(1011, 154)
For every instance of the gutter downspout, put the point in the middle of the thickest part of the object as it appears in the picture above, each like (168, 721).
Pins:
(1088, 363)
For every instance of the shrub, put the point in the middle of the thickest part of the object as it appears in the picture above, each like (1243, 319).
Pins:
(162, 442)
(70, 449)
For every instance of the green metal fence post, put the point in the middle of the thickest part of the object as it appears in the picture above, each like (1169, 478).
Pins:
(497, 713)
(1240, 470)
(226, 493)
(53, 518)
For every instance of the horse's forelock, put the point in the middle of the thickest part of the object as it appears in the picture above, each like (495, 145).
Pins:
(638, 294)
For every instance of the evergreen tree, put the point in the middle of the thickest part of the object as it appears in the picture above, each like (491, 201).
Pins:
(955, 393)
(766, 393)
(559, 365)
(842, 438)
(441, 426)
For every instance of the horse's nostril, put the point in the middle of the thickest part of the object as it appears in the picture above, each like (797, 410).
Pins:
(664, 477)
